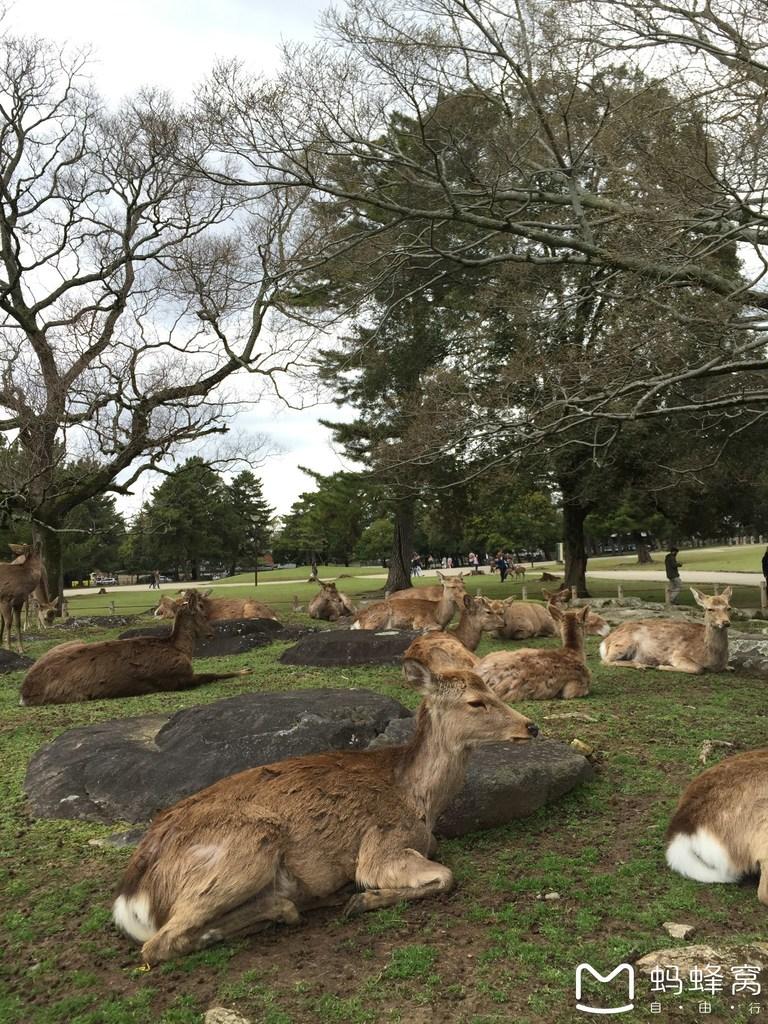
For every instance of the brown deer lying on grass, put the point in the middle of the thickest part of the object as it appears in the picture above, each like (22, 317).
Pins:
(259, 846)
(216, 609)
(526, 619)
(531, 673)
(412, 613)
(19, 579)
(453, 649)
(719, 832)
(672, 645)
(76, 671)
(433, 593)
(330, 604)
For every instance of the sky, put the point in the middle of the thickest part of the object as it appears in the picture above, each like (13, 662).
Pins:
(171, 44)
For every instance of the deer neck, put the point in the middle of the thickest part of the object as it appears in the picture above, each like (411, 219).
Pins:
(183, 634)
(468, 630)
(716, 644)
(573, 638)
(446, 606)
(433, 767)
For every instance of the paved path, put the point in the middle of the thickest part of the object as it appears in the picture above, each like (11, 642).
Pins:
(745, 579)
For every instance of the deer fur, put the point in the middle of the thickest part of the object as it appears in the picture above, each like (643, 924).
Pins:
(258, 847)
(526, 619)
(330, 604)
(517, 569)
(433, 593)
(43, 611)
(672, 645)
(532, 673)
(453, 649)
(216, 609)
(19, 579)
(76, 671)
(719, 832)
(412, 613)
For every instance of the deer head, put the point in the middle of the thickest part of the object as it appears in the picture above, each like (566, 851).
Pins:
(717, 608)
(464, 709)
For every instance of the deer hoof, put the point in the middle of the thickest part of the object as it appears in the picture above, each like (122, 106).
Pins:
(356, 904)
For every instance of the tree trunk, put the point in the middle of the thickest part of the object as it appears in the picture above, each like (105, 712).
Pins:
(399, 577)
(574, 515)
(53, 580)
(643, 554)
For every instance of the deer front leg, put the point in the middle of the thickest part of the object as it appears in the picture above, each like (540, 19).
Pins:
(682, 664)
(390, 872)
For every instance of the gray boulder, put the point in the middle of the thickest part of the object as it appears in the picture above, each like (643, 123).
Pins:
(748, 653)
(350, 647)
(504, 781)
(129, 768)
(232, 636)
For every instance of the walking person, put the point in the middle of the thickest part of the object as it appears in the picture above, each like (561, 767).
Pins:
(671, 566)
(503, 566)
(765, 566)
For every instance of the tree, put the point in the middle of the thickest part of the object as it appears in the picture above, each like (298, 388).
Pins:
(132, 287)
(541, 181)
(189, 521)
(326, 524)
(252, 520)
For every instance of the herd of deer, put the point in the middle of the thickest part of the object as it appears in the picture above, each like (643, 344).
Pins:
(258, 847)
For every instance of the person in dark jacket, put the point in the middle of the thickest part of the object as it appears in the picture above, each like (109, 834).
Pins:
(672, 566)
(503, 566)
(765, 565)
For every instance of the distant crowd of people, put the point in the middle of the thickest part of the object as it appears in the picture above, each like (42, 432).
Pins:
(501, 562)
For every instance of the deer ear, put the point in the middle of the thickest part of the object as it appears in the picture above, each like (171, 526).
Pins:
(585, 612)
(702, 600)
(547, 594)
(727, 593)
(419, 676)
(440, 575)
(555, 611)
(467, 601)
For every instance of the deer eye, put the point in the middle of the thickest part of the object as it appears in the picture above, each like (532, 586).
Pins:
(476, 703)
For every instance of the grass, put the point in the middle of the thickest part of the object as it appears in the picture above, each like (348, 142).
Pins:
(734, 558)
(493, 951)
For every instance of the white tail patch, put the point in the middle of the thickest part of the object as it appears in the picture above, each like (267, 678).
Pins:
(603, 631)
(355, 625)
(131, 915)
(701, 856)
(603, 650)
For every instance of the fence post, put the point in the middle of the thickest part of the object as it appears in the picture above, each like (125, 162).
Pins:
(764, 594)
(524, 593)
(715, 589)
(667, 596)
(619, 593)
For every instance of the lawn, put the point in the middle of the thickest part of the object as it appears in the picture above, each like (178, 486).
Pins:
(490, 952)
(736, 558)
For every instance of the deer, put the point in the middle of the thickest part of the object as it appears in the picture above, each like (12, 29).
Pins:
(19, 579)
(258, 847)
(534, 673)
(517, 569)
(217, 609)
(674, 646)
(43, 611)
(432, 593)
(454, 648)
(412, 613)
(329, 603)
(719, 831)
(74, 672)
(526, 619)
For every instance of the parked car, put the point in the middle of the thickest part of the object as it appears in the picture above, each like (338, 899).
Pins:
(104, 581)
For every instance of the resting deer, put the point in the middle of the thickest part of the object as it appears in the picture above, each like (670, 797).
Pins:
(533, 673)
(526, 619)
(216, 609)
(454, 648)
(259, 846)
(19, 579)
(76, 671)
(672, 645)
(719, 832)
(433, 593)
(330, 604)
(412, 613)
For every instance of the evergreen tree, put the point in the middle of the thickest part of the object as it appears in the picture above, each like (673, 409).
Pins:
(252, 518)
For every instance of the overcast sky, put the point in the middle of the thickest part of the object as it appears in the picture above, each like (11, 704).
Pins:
(172, 43)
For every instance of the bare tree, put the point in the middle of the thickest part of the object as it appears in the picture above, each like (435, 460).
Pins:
(535, 175)
(132, 290)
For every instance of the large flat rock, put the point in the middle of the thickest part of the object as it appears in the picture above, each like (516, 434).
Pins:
(504, 781)
(129, 768)
(126, 770)
(350, 647)
(231, 636)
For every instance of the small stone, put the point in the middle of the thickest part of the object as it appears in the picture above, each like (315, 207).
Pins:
(582, 748)
(679, 931)
(552, 896)
(221, 1015)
